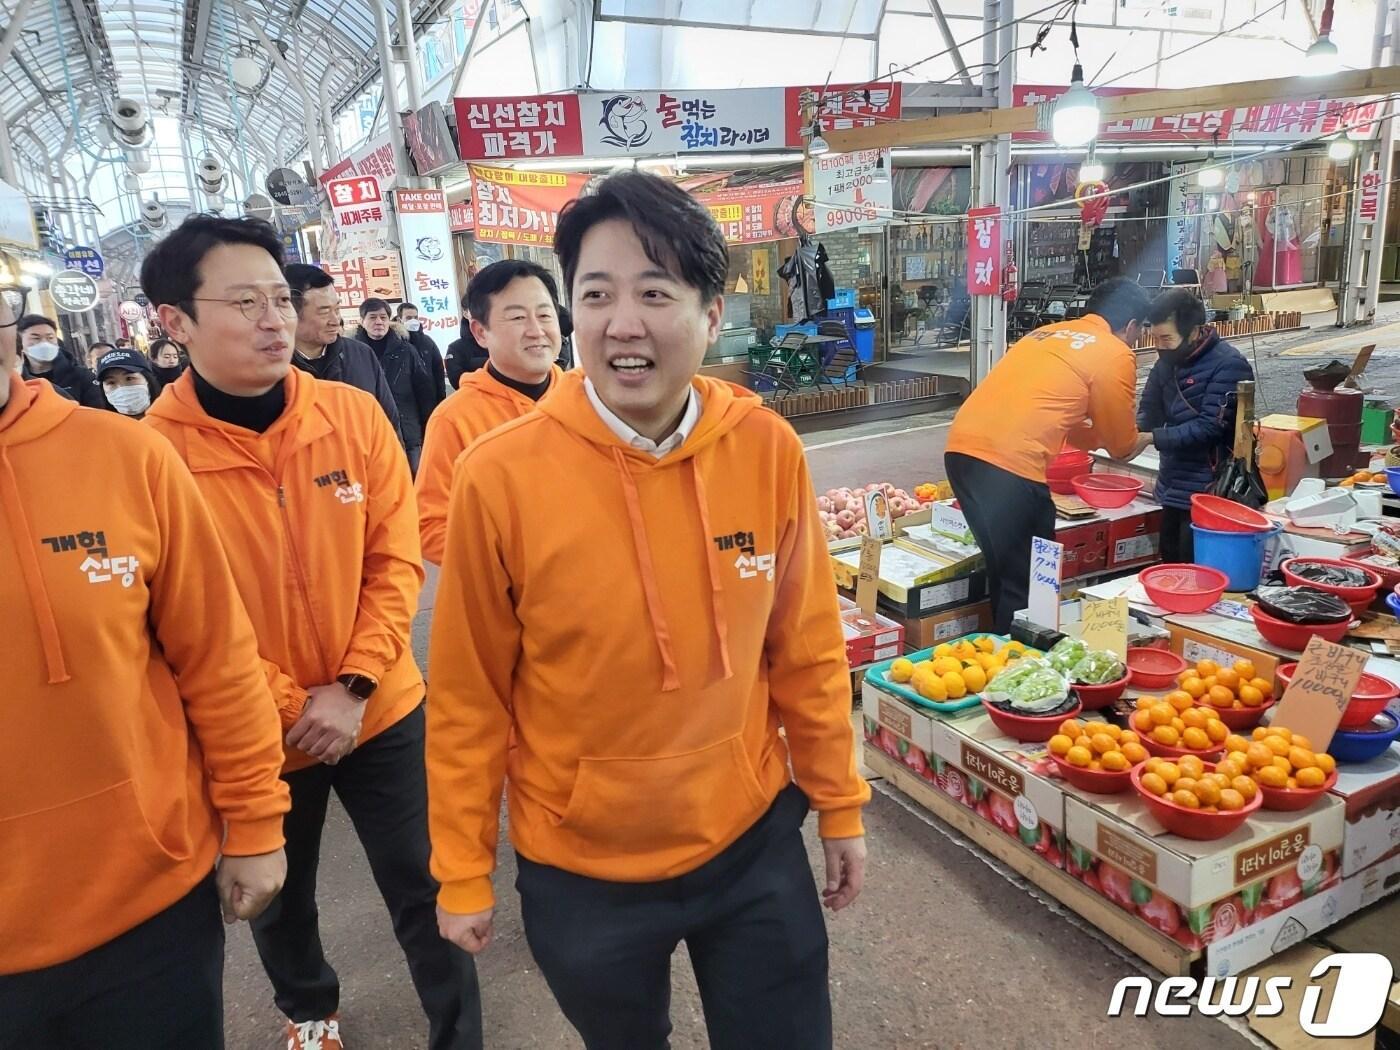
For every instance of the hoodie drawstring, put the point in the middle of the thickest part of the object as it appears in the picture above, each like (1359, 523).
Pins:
(30, 570)
(721, 622)
(670, 678)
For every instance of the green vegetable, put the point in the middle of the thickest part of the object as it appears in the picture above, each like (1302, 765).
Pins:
(1098, 668)
(1030, 686)
(1066, 653)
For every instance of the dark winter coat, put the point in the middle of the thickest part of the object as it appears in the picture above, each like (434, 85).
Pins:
(1189, 408)
(408, 380)
(431, 357)
(70, 378)
(352, 362)
(464, 354)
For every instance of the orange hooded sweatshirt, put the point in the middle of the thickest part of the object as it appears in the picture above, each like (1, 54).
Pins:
(639, 637)
(1074, 381)
(317, 517)
(481, 404)
(117, 784)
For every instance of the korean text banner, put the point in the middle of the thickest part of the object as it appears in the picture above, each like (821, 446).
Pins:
(844, 106)
(521, 207)
(847, 192)
(512, 128)
(430, 278)
(766, 211)
(984, 251)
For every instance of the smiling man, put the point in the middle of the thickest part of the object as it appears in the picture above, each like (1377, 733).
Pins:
(625, 663)
(315, 507)
(515, 316)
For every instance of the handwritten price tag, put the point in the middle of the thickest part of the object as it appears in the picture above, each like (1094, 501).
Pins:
(868, 581)
(1321, 688)
(1104, 625)
(1044, 599)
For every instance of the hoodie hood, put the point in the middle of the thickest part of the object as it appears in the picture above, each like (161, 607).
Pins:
(723, 407)
(34, 409)
(482, 382)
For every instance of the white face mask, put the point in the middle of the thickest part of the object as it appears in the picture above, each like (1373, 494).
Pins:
(41, 352)
(129, 400)
(413, 325)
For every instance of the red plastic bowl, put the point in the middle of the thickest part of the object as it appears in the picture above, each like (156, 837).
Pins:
(1372, 695)
(1064, 468)
(1150, 669)
(1106, 491)
(1359, 598)
(1029, 729)
(1294, 636)
(1224, 515)
(1157, 750)
(1181, 588)
(1192, 823)
(1094, 697)
(1237, 718)
(1293, 799)
(1390, 578)
(1096, 781)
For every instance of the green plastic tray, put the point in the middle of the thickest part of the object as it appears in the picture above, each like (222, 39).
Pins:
(877, 674)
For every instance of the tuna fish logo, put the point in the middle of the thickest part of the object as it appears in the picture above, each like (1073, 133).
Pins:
(429, 248)
(625, 118)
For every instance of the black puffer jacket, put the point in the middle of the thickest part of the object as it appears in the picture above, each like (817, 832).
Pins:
(464, 354)
(431, 357)
(71, 378)
(408, 381)
(351, 362)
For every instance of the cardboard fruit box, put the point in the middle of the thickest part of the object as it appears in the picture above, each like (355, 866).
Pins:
(1201, 894)
(924, 632)
(869, 639)
(1371, 794)
(913, 580)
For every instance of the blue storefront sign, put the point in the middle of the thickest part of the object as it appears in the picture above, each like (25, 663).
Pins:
(88, 260)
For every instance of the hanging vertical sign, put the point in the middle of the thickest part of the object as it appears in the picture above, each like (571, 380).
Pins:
(1368, 197)
(430, 279)
(984, 251)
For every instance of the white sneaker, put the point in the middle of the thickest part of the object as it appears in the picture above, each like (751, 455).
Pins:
(315, 1035)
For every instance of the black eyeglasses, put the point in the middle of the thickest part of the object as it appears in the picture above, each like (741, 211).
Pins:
(253, 305)
(14, 296)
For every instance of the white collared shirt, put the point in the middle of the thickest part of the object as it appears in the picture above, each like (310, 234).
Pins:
(638, 441)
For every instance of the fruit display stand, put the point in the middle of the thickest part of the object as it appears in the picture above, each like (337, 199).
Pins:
(914, 582)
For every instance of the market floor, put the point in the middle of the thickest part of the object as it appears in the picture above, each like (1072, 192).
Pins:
(940, 951)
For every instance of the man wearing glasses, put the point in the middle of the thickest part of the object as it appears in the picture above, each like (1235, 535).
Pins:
(141, 740)
(323, 349)
(315, 505)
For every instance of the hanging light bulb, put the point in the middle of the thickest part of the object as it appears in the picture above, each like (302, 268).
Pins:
(1341, 149)
(1091, 170)
(246, 71)
(1322, 59)
(1076, 118)
(1208, 177)
(882, 177)
(817, 147)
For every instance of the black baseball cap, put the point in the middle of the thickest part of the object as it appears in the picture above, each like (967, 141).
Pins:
(126, 361)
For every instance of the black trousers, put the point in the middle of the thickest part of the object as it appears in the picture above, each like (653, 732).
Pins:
(159, 986)
(1178, 541)
(383, 787)
(750, 919)
(1005, 512)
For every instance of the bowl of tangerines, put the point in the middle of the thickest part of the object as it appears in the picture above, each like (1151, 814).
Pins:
(1289, 773)
(1096, 756)
(1237, 693)
(1196, 799)
(1172, 726)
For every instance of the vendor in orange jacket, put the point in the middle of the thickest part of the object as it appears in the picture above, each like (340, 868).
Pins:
(139, 764)
(314, 502)
(514, 307)
(1073, 381)
(624, 654)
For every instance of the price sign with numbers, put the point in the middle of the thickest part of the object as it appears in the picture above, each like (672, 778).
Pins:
(1321, 688)
(1043, 605)
(1104, 625)
(868, 582)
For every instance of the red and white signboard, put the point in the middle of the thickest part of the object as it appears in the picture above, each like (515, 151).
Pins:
(846, 192)
(374, 158)
(512, 128)
(1275, 122)
(984, 251)
(1368, 197)
(461, 217)
(357, 202)
(844, 106)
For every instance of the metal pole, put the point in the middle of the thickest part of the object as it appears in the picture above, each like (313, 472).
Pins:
(461, 70)
(410, 55)
(308, 109)
(950, 41)
(1376, 254)
(8, 172)
(1350, 276)
(391, 98)
(1005, 76)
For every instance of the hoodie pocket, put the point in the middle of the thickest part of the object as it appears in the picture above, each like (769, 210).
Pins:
(85, 858)
(673, 804)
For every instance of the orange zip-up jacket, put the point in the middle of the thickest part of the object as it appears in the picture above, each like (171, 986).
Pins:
(117, 782)
(639, 637)
(1074, 381)
(318, 520)
(481, 404)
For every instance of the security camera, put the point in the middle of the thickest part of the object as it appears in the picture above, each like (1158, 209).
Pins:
(129, 121)
(153, 214)
(210, 173)
(258, 206)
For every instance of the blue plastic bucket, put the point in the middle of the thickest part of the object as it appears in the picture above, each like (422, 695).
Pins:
(1239, 555)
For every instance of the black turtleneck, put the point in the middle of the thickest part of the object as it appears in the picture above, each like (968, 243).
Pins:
(255, 413)
(377, 345)
(534, 391)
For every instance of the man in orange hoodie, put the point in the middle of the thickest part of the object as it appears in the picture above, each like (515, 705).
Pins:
(315, 506)
(625, 654)
(514, 306)
(1072, 381)
(141, 740)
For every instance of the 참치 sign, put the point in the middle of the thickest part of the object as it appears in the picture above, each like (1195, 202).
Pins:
(429, 274)
(521, 207)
